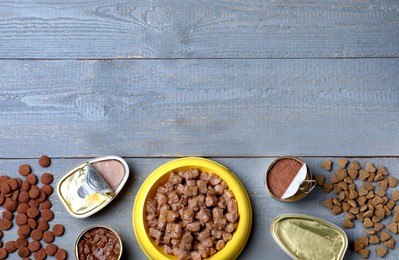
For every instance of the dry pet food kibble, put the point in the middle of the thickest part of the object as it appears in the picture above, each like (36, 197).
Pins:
(370, 203)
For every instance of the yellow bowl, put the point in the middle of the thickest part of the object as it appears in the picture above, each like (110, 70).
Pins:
(158, 177)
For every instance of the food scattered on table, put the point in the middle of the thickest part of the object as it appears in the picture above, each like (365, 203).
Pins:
(193, 215)
(29, 207)
(364, 194)
(100, 242)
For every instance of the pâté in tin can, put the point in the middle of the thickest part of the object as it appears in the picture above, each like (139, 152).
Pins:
(92, 185)
(289, 179)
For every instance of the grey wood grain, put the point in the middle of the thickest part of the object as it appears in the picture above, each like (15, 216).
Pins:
(209, 107)
(198, 29)
(251, 172)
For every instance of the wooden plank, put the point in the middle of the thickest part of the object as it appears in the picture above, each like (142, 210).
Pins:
(198, 29)
(251, 172)
(206, 107)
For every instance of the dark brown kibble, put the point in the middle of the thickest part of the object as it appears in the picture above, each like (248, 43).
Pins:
(32, 223)
(34, 246)
(47, 215)
(42, 225)
(24, 230)
(61, 254)
(47, 189)
(42, 197)
(7, 215)
(13, 184)
(34, 192)
(44, 161)
(10, 205)
(51, 249)
(40, 255)
(3, 253)
(5, 188)
(21, 219)
(58, 230)
(36, 234)
(33, 203)
(23, 252)
(46, 204)
(23, 208)
(46, 178)
(25, 186)
(5, 224)
(21, 242)
(23, 197)
(33, 212)
(31, 178)
(48, 237)
(24, 169)
(10, 246)
(15, 195)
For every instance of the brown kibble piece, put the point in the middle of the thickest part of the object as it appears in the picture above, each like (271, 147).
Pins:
(3, 253)
(47, 189)
(32, 223)
(363, 191)
(371, 231)
(357, 245)
(368, 186)
(61, 254)
(36, 234)
(348, 223)
(47, 215)
(353, 174)
(341, 174)
(345, 206)
(368, 223)
(33, 212)
(31, 178)
(21, 219)
(34, 246)
(42, 197)
(21, 242)
(23, 252)
(364, 253)
(40, 254)
(327, 165)
(381, 251)
(382, 170)
(10, 246)
(390, 244)
(23, 197)
(364, 240)
(369, 167)
(392, 182)
(24, 230)
(33, 203)
(336, 210)
(5, 224)
(342, 162)
(44, 161)
(378, 177)
(380, 193)
(328, 203)
(51, 249)
(327, 187)
(24, 169)
(395, 218)
(378, 227)
(23, 208)
(13, 184)
(46, 178)
(320, 179)
(10, 205)
(383, 184)
(384, 236)
(361, 200)
(354, 165)
(42, 225)
(374, 240)
(34, 192)
(46, 204)
(363, 175)
(58, 230)
(393, 227)
(7, 215)
(25, 186)
(48, 237)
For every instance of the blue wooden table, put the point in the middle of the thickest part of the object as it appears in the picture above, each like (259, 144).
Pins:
(238, 81)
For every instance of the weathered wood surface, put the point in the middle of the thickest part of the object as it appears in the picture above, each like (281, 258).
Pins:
(138, 108)
(198, 29)
(251, 172)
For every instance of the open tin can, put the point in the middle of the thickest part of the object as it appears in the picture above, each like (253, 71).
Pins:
(307, 237)
(92, 185)
(98, 240)
(289, 179)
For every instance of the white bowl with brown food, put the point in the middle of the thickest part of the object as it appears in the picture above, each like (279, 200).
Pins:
(192, 208)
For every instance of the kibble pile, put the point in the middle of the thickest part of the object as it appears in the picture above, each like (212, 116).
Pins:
(368, 195)
(29, 207)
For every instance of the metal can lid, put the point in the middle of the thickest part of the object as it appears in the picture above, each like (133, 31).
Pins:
(307, 237)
